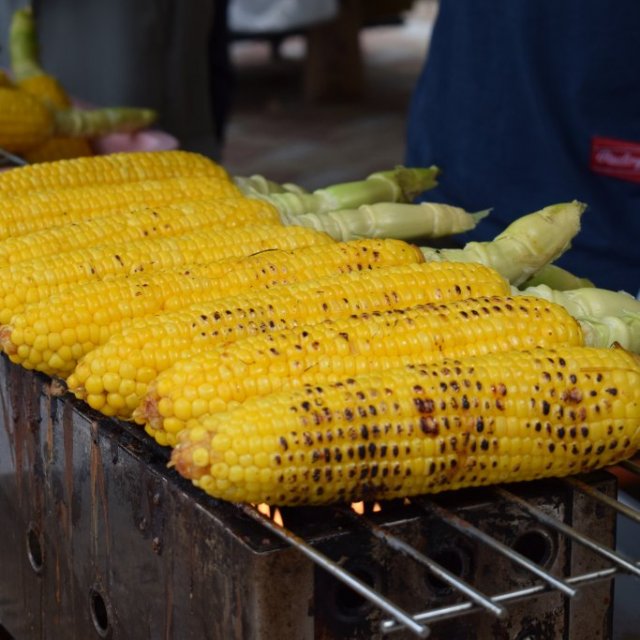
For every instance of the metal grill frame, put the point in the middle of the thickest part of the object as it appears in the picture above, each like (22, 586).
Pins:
(100, 537)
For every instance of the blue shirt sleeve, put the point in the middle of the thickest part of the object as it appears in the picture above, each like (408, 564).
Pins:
(510, 98)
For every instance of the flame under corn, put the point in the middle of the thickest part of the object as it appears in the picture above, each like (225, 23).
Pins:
(506, 417)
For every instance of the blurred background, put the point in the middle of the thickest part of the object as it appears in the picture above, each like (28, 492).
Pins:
(312, 91)
(293, 118)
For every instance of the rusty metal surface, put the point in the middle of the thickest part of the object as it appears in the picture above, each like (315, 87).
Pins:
(101, 540)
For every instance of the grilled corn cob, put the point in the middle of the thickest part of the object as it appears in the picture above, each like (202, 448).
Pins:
(53, 207)
(217, 379)
(50, 336)
(31, 280)
(116, 168)
(137, 224)
(504, 417)
(113, 377)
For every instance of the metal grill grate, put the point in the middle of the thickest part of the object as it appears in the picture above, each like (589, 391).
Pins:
(473, 599)
(8, 160)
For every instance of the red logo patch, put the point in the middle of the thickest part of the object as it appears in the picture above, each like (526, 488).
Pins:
(615, 158)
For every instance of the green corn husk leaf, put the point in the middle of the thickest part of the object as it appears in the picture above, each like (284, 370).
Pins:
(606, 331)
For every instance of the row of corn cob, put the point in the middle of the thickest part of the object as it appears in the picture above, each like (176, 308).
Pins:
(179, 352)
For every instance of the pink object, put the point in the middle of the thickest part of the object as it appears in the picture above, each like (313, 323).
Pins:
(146, 140)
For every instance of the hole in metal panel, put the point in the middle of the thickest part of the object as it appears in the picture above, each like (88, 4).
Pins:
(346, 604)
(99, 613)
(536, 545)
(456, 560)
(34, 549)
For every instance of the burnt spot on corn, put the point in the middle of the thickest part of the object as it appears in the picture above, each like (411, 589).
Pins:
(572, 396)
(429, 426)
(612, 391)
(424, 405)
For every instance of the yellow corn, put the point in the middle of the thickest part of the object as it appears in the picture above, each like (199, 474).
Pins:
(137, 224)
(46, 89)
(24, 121)
(116, 168)
(50, 336)
(5, 80)
(32, 280)
(58, 148)
(215, 380)
(505, 417)
(49, 91)
(114, 377)
(53, 207)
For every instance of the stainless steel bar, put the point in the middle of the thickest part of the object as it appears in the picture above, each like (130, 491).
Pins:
(402, 617)
(438, 570)
(592, 492)
(470, 530)
(570, 532)
(464, 608)
(629, 465)
(13, 159)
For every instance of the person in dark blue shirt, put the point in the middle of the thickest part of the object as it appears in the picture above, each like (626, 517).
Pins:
(525, 103)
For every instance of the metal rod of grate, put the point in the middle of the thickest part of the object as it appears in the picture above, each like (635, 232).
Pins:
(475, 600)
(8, 159)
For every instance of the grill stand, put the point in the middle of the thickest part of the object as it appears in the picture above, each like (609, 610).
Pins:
(101, 540)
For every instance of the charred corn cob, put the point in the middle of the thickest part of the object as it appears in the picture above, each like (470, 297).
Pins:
(53, 207)
(116, 168)
(137, 224)
(217, 379)
(50, 336)
(114, 377)
(504, 417)
(31, 280)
